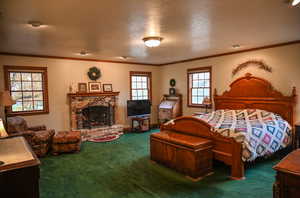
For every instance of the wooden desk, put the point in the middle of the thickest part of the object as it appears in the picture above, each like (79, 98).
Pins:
(19, 175)
(287, 184)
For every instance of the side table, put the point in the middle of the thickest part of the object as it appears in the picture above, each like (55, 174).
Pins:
(140, 124)
(287, 183)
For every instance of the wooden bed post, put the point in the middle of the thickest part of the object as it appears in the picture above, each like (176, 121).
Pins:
(237, 166)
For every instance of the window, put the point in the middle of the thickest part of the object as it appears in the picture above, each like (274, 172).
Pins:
(199, 85)
(28, 87)
(140, 85)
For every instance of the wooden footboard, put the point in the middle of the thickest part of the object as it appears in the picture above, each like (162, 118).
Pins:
(225, 149)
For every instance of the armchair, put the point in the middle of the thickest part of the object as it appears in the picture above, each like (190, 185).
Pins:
(38, 137)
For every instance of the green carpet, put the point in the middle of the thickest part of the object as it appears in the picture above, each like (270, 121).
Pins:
(122, 169)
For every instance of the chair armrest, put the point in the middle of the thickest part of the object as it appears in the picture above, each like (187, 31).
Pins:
(43, 136)
(51, 132)
(37, 128)
(15, 134)
(27, 133)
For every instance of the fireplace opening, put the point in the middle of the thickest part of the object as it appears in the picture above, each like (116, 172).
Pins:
(97, 116)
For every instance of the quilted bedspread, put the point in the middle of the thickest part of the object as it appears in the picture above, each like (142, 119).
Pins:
(260, 132)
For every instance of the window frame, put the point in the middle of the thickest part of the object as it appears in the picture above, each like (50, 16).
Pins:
(141, 73)
(30, 69)
(189, 87)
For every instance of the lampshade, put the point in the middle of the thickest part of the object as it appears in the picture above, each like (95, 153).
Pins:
(206, 101)
(295, 2)
(3, 132)
(6, 99)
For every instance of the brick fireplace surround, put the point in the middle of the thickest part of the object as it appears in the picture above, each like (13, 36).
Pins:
(106, 103)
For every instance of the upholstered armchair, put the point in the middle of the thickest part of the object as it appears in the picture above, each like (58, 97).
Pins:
(38, 137)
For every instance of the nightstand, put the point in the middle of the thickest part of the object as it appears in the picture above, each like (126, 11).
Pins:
(287, 183)
(297, 135)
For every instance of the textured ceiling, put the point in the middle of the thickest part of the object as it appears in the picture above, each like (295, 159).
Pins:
(112, 28)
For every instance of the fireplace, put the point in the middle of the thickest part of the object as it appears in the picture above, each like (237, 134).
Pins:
(93, 114)
(92, 110)
(97, 116)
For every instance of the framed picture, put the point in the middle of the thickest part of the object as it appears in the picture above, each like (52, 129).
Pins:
(107, 88)
(82, 87)
(94, 87)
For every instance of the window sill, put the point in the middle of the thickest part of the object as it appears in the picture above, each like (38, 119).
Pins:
(11, 114)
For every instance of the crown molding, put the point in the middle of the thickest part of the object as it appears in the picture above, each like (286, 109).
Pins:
(73, 58)
(234, 52)
(153, 64)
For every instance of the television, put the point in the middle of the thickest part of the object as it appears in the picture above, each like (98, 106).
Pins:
(138, 107)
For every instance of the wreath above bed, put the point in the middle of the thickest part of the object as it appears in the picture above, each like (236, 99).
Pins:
(260, 64)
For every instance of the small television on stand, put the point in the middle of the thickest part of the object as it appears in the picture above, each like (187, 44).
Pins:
(139, 111)
(138, 108)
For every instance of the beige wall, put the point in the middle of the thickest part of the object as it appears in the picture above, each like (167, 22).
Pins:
(61, 73)
(284, 60)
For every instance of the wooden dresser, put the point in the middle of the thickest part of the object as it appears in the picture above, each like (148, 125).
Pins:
(19, 175)
(287, 184)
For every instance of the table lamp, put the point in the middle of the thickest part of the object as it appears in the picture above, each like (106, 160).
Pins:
(3, 134)
(206, 101)
(6, 101)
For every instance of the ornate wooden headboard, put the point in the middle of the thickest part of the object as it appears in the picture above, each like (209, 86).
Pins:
(256, 93)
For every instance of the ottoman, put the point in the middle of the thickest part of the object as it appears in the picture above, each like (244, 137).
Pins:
(66, 142)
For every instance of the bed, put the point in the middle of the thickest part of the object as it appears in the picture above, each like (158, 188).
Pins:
(248, 92)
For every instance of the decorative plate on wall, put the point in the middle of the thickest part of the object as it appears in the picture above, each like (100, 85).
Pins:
(172, 82)
(94, 73)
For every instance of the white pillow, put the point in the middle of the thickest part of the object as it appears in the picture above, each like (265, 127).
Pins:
(3, 133)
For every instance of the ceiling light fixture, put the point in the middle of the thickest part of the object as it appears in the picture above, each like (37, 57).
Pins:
(35, 24)
(125, 57)
(236, 46)
(153, 41)
(295, 2)
(83, 53)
